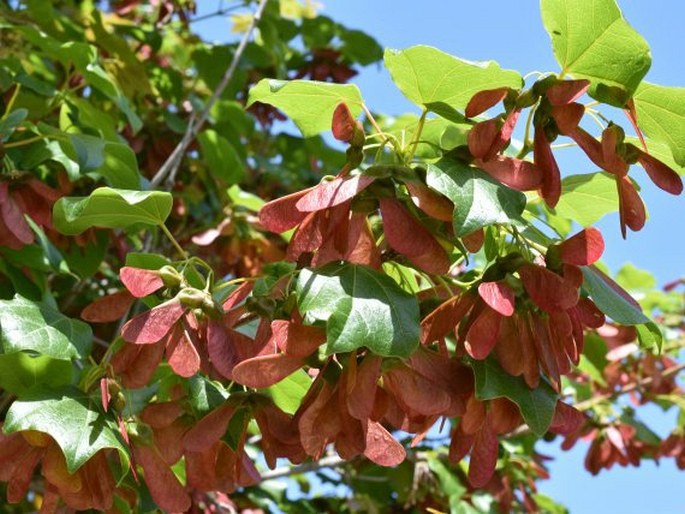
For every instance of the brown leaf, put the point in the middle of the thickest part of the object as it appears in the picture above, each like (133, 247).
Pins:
(515, 173)
(583, 248)
(499, 296)
(296, 339)
(164, 487)
(333, 192)
(266, 370)
(209, 429)
(483, 455)
(567, 91)
(151, 326)
(543, 157)
(381, 447)
(410, 238)
(549, 291)
(483, 100)
(282, 214)
(108, 308)
(140, 282)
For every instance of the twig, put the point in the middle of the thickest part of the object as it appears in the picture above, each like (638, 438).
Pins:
(629, 388)
(219, 12)
(170, 166)
(327, 462)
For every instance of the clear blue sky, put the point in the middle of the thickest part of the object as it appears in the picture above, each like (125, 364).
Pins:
(511, 33)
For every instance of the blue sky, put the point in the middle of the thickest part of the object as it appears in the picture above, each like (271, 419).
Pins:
(512, 34)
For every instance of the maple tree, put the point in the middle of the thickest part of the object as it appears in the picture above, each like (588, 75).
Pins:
(196, 302)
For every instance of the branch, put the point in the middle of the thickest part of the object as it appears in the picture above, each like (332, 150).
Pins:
(219, 12)
(171, 165)
(326, 462)
(628, 388)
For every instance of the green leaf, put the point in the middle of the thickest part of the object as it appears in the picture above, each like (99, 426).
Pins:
(309, 103)
(241, 198)
(116, 162)
(478, 198)
(449, 483)
(537, 406)
(592, 40)
(631, 278)
(650, 336)
(360, 307)
(360, 47)
(661, 115)
(426, 76)
(10, 122)
(29, 326)
(72, 420)
(111, 208)
(221, 157)
(587, 198)
(21, 373)
(288, 393)
(609, 301)
(204, 394)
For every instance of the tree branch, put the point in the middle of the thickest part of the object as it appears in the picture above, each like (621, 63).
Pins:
(170, 167)
(330, 461)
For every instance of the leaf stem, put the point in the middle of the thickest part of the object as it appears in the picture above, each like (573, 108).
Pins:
(24, 142)
(417, 134)
(10, 104)
(171, 238)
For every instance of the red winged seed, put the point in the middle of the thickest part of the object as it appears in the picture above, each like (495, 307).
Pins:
(583, 248)
(160, 415)
(151, 326)
(445, 318)
(483, 100)
(333, 192)
(515, 173)
(483, 333)
(282, 214)
(266, 370)
(140, 282)
(631, 114)
(312, 434)
(344, 125)
(108, 308)
(474, 416)
(430, 202)
(416, 393)
(295, 339)
(209, 429)
(137, 363)
(460, 445)
(613, 162)
(221, 348)
(631, 209)
(531, 367)
(505, 415)
(361, 394)
(543, 157)
(309, 236)
(662, 176)
(549, 291)
(566, 92)
(381, 446)
(572, 274)
(589, 314)
(182, 354)
(482, 137)
(474, 241)
(406, 235)
(238, 295)
(509, 349)
(567, 117)
(164, 487)
(483, 455)
(499, 296)
(566, 419)
(14, 216)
